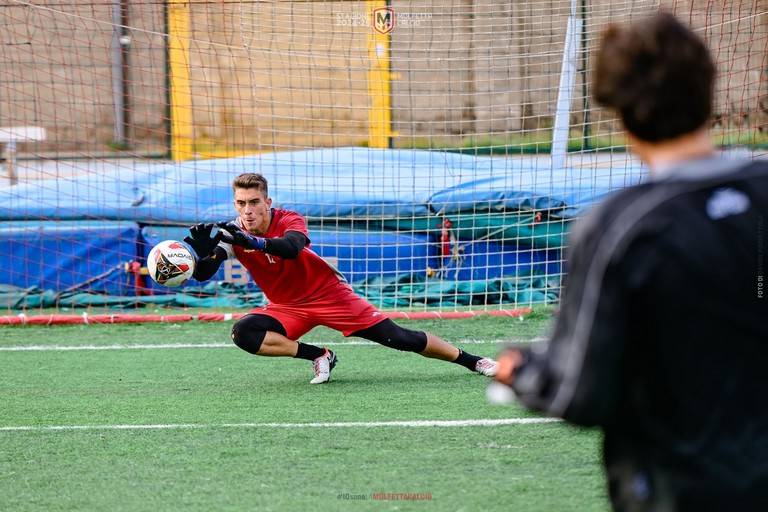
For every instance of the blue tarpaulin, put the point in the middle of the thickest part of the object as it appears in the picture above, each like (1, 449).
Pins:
(322, 183)
(81, 255)
(376, 214)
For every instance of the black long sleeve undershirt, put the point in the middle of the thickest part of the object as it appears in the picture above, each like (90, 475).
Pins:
(287, 247)
(206, 267)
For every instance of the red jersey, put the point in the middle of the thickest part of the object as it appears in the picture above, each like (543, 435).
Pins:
(304, 279)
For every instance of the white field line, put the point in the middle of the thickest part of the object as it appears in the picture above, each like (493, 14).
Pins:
(60, 348)
(345, 424)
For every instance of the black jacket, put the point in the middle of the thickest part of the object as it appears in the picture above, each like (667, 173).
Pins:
(662, 339)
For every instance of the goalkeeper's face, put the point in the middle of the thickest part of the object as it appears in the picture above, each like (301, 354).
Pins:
(253, 209)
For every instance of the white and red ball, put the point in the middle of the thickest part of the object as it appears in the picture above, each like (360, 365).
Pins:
(170, 263)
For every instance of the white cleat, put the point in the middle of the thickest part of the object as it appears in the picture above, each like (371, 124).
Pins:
(486, 367)
(323, 366)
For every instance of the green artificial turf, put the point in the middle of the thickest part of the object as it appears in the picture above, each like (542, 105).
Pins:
(169, 427)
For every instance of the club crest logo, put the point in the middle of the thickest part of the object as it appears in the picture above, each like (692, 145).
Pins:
(384, 20)
(166, 269)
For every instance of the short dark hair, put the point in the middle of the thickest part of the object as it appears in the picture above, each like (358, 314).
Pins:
(251, 180)
(657, 75)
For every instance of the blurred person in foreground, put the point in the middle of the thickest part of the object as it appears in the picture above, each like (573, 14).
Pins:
(303, 289)
(661, 339)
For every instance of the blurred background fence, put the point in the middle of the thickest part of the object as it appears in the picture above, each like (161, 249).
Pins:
(439, 149)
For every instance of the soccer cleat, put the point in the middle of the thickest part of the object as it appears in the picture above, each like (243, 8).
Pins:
(323, 366)
(486, 367)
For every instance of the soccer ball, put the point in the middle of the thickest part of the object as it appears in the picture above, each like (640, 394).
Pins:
(170, 263)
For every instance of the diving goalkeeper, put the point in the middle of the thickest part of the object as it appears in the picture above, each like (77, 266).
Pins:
(304, 290)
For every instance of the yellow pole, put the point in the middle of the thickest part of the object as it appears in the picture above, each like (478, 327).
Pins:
(182, 147)
(379, 86)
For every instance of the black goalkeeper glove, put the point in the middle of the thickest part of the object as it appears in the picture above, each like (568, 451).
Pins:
(232, 234)
(200, 239)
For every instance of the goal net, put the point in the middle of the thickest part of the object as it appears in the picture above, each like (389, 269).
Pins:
(440, 150)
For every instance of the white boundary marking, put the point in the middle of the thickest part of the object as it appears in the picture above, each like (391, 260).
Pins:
(60, 348)
(349, 424)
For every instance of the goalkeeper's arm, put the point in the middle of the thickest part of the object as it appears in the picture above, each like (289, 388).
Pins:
(205, 268)
(288, 246)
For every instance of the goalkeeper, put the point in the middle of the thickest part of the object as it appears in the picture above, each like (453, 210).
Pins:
(662, 335)
(304, 290)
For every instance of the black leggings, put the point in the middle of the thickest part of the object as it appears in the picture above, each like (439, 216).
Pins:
(249, 332)
(391, 335)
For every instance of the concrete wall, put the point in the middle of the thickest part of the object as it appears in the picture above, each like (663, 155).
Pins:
(56, 73)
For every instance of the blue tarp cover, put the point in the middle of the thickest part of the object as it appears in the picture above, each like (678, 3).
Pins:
(55, 256)
(322, 183)
(76, 234)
